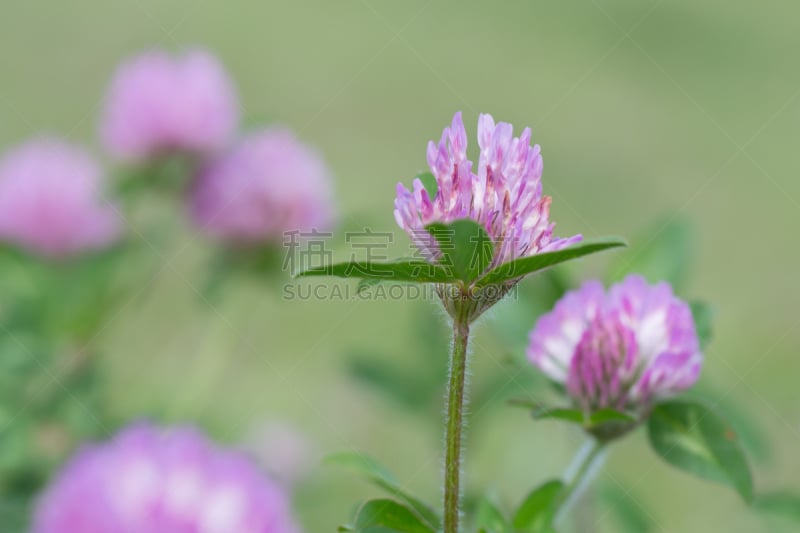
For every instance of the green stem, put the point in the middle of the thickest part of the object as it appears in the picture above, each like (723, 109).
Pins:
(583, 468)
(455, 423)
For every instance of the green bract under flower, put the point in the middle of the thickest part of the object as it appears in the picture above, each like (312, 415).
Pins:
(477, 234)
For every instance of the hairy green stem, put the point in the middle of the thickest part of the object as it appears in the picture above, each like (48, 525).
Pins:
(455, 422)
(583, 468)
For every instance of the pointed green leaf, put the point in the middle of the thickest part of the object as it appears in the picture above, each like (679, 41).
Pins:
(784, 504)
(603, 416)
(367, 283)
(540, 411)
(609, 415)
(528, 265)
(538, 509)
(466, 248)
(383, 478)
(406, 388)
(488, 518)
(661, 253)
(629, 512)
(361, 464)
(559, 413)
(693, 438)
(388, 516)
(411, 270)
(748, 427)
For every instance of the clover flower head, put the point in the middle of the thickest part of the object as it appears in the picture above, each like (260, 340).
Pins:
(159, 103)
(50, 200)
(622, 349)
(161, 481)
(504, 196)
(268, 184)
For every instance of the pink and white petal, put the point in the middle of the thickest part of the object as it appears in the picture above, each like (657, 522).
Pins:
(682, 334)
(458, 138)
(644, 308)
(485, 132)
(669, 374)
(557, 333)
(560, 243)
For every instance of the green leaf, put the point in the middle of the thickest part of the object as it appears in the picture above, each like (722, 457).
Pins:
(630, 515)
(81, 291)
(407, 388)
(693, 438)
(366, 284)
(383, 478)
(662, 253)
(388, 516)
(466, 247)
(703, 316)
(412, 270)
(398, 379)
(748, 427)
(429, 182)
(362, 464)
(605, 424)
(609, 415)
(488, 518)
(537, 510)
(784, 504)
(559, 413)
(494, 387)
(540, 411)
(528, 265)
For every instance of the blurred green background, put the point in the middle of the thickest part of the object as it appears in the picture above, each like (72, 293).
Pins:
(645, 110)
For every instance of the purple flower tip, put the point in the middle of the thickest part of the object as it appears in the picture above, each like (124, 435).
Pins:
(505, 195)
(266, 185)
(161, 481)
(158, 103)
(620, 349)
(50, 200)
